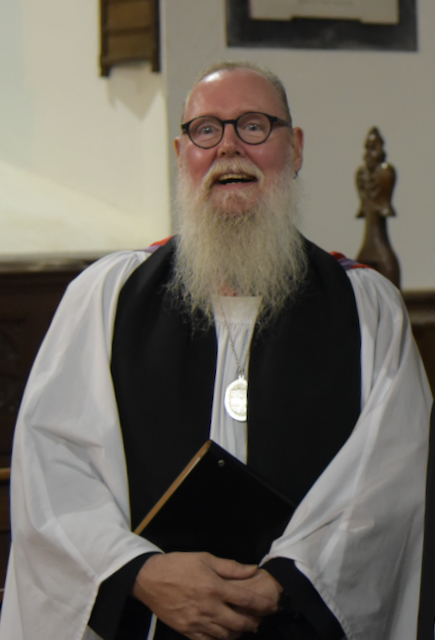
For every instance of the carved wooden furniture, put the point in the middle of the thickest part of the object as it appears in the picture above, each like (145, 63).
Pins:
(129, 33)
(375, 181)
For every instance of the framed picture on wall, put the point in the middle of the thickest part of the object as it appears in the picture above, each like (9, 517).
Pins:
(366, 11)
(323, 24)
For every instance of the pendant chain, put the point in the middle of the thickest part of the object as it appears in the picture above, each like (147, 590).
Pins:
(236, 394)
(240, 369)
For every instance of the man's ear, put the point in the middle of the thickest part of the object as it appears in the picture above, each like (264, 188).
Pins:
(297, 148)
(177, 143)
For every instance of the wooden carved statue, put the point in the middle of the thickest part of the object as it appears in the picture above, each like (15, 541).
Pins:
(375, 181)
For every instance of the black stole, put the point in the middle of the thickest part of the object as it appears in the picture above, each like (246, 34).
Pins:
(303, 398)
(304, 381)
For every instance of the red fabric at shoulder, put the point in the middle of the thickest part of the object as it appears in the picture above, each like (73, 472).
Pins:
(155, 245)
(347, 263)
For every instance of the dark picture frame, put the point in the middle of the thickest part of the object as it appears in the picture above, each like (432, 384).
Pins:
(310, 33)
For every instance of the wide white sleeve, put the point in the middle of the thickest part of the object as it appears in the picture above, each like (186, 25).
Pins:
(70, 508)
(357, 535)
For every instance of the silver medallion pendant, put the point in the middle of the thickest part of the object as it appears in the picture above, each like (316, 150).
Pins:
(236, 399)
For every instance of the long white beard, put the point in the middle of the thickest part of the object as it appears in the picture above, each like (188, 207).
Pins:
(232, 245)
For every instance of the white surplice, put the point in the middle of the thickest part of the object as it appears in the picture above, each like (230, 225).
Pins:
(357, 534)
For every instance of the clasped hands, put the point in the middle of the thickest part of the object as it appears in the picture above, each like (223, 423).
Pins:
(204, 597)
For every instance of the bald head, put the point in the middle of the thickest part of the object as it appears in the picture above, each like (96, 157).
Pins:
(266, 73)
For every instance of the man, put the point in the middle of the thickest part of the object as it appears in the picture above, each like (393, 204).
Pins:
(148, 357)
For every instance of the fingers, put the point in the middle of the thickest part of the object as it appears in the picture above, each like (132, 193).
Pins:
(248, 599)
(210, 621)
(219, 632)
(216, 636)
(262, 583)
(235, 623)
(229, 569)
(260, 596)
(186, 592)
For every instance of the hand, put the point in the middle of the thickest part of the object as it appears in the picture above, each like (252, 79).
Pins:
(263, 583)
(202, 596)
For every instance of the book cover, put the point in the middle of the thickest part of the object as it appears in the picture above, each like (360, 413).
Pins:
(217, 504)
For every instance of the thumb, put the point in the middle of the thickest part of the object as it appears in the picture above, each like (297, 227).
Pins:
(230, 569)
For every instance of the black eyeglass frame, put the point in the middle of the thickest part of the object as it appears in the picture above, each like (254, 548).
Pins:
(272, 119)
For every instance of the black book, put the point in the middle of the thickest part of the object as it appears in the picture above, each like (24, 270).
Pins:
(217, 504)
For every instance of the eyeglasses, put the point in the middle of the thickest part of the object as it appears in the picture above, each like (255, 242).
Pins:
(252, 128)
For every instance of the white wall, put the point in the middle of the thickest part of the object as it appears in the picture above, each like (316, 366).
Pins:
(337, 96)
(102, 142)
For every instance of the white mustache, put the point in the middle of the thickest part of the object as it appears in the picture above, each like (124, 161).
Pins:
(234, 167)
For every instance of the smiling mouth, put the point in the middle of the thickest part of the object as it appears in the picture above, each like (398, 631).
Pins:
(233, 178)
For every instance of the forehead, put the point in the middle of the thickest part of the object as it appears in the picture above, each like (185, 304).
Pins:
(228, 93)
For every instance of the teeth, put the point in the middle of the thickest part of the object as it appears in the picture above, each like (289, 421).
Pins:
(235, 176)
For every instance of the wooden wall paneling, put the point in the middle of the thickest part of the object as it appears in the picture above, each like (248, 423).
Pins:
(30, 291)
(28, 300)
(421, 309)
(5, 527)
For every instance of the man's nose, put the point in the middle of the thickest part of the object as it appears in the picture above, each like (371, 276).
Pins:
(230, 143)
